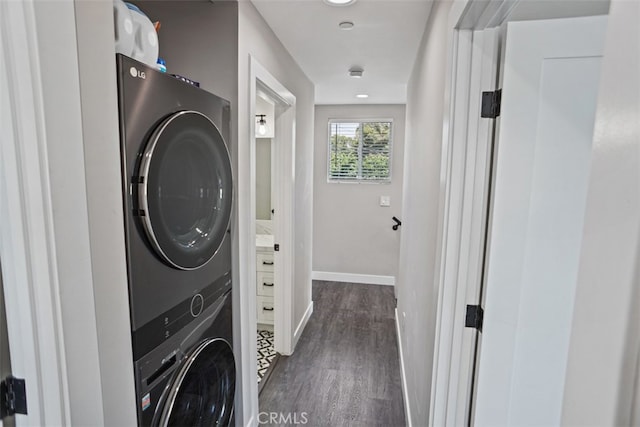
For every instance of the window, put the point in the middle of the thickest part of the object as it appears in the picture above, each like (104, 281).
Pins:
(360, 150)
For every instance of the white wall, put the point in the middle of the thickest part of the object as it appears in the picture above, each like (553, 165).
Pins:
(417, 281)
(605, 341)
(100, 133)
(257, 40)
(351, 232)
(83, 292)
(66, 164)
(263, 178)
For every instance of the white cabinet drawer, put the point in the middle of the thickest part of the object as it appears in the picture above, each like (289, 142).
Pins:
(264, 283)
(264, 261)
(265, 310)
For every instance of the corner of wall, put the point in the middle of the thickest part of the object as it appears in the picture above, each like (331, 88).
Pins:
(96, 61)
(420, 245)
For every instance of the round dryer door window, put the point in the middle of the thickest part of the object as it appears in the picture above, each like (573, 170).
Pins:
(202, 392)
(186, 190)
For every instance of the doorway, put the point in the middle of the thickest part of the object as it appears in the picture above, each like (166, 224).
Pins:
(270, 260)
(469, 219)
(266, 196)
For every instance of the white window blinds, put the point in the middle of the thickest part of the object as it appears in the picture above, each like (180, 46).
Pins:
(360, 151)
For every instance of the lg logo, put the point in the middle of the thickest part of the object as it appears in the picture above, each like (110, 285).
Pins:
(136, 73)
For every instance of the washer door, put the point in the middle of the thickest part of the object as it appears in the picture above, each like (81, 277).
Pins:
(202, 392)
(186, 188)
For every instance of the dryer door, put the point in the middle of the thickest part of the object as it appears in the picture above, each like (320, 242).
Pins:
(202, 391)
(186, 190)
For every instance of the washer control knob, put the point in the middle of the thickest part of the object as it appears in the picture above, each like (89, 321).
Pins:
(197, 304)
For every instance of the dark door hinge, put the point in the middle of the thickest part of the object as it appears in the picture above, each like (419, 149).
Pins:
(276, 247)
(491, 104)
(13, 397)
(474, 317)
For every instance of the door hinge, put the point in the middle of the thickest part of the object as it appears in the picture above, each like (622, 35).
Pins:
(13, 397)
(474, 317)
(276, 247)
(491, 104)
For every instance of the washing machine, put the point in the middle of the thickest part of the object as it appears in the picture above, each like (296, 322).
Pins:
(178, 198)
(189, 380)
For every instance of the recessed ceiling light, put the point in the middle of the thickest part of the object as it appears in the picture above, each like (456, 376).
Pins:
(346, 25)
(356, 72)
(362, 96)
(339, 2)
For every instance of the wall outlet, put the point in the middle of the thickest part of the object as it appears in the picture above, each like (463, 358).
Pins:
(385, 201)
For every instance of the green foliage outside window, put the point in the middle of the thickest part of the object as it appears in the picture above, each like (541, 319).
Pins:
(360, 151)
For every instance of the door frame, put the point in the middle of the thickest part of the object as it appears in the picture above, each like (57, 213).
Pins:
(467, 164)
(282, 176)
(283, 182)
(468, 169)
(27, 242)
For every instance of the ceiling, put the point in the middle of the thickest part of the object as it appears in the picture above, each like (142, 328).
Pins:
(384, 42)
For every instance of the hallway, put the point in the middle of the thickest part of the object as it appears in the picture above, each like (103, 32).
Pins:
(345, 370)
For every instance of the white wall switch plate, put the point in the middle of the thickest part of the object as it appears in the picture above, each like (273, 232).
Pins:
(385, 201)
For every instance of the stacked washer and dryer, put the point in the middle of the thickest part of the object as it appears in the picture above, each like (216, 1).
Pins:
(178, 199)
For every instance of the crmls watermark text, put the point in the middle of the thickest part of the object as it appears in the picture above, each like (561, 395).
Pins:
(293, 418)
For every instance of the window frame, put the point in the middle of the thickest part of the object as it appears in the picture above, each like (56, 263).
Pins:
(360, 121)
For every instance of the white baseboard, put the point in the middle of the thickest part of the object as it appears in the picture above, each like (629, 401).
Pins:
(302, 324)
(369, 279)
(403, 374)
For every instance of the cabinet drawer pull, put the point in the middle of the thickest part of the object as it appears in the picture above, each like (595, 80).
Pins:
(267, 308)
(267, 284)
(267, 262)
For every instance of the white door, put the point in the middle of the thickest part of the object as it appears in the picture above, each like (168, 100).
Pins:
(549, 93)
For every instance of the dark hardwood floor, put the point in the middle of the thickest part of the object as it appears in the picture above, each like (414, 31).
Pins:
(345, 369)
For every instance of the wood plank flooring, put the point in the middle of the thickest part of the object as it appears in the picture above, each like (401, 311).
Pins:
(345, 369)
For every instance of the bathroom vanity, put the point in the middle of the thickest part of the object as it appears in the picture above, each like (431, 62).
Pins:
(265, 283)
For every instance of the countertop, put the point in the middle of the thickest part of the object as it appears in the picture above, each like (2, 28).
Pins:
(264, 241)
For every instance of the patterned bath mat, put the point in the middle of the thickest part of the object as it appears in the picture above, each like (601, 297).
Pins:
(266, 352)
